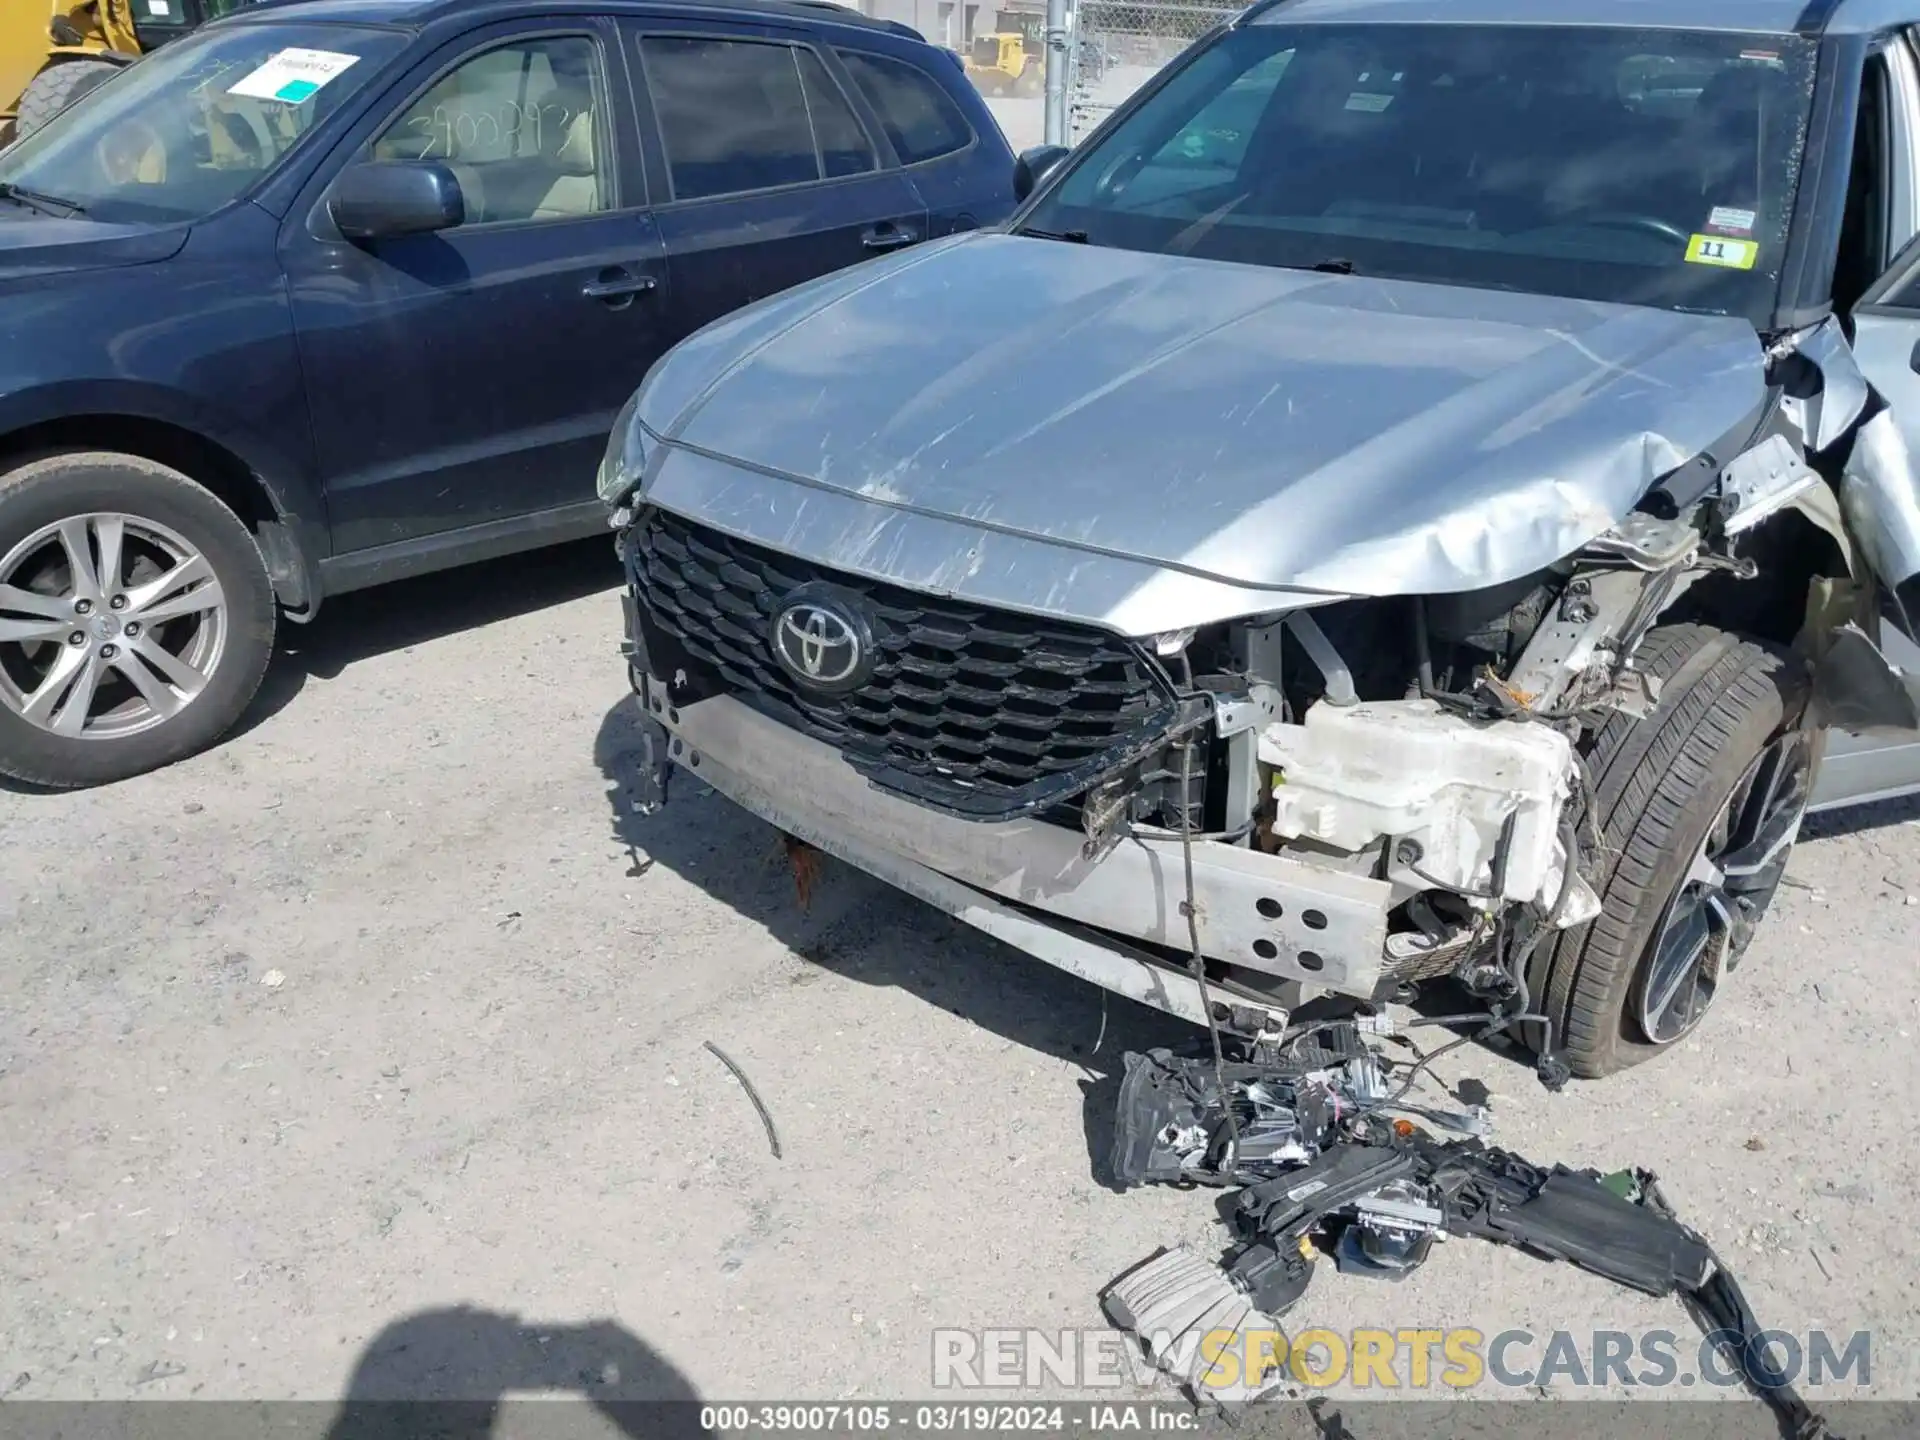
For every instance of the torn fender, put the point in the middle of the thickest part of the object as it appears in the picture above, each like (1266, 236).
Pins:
(1856, 689)
(1880, 498)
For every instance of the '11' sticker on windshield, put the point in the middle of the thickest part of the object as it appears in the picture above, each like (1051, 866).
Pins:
(292, 76)
(1717, 250)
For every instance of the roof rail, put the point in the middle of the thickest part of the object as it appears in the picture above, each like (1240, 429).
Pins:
(893, 26)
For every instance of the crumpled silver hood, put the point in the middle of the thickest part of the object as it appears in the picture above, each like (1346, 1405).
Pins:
(1153, 442)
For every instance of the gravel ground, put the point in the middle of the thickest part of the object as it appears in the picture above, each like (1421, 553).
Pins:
(1024, 122)
(367, 1051)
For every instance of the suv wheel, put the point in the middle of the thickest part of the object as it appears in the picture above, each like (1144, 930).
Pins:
(136, 619)
(1699, 805)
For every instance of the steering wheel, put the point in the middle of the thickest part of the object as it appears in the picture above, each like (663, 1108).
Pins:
(1646, 224)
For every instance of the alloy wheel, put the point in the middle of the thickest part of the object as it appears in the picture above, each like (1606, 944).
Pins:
(1726, 891)
(110, 624)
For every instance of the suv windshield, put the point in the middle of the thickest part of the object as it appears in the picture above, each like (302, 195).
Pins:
(196, 125)
(1654, 167)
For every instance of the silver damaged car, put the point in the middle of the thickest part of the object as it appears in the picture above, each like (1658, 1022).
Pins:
(1424, 492)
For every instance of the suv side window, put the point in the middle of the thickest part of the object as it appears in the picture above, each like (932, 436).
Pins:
(743, 115)
(523, 127)
(920, 118)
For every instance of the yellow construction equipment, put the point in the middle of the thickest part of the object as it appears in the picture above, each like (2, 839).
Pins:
(1006, 63)
(54, 51)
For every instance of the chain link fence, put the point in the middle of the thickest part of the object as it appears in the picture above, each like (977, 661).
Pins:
(1115, 46)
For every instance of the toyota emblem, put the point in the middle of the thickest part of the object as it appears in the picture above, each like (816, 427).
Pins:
(821, 642)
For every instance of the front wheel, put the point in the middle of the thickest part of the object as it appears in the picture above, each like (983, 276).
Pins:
(1698, 805)
(136, 619)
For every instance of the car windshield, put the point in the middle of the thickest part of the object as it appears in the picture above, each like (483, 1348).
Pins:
(195, 126)
(1654, 167)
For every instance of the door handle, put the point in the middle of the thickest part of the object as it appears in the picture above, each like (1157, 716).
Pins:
(618, 285)
(1913, 360)
(889, 237)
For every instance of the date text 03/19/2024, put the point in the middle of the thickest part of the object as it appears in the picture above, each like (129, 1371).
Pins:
(921, 1418)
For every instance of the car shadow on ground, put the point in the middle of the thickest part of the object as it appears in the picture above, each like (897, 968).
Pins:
(364, 623)
(443, 1374)
(860, 928)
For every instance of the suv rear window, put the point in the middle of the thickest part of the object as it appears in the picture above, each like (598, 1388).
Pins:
(920, 118)
(741, 115)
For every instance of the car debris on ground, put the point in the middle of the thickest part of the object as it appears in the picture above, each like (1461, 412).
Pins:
(759, 1105)
(1331, 1163)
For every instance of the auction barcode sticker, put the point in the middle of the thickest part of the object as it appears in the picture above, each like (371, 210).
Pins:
(292, 76)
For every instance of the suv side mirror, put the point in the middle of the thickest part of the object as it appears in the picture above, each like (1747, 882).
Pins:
(396, 197)
(1032, 168)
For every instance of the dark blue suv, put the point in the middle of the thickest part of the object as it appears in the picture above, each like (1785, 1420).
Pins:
(340, 291)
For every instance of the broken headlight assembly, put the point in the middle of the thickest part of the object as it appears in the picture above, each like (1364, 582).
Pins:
(624, 464)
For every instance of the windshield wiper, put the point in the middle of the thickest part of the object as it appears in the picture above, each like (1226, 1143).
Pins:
(40, 200)
(1334, 265)
(1072, 237)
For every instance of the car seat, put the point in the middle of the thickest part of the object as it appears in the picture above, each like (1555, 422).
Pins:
(575, 186)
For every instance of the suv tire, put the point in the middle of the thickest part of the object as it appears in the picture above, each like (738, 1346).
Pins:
(169, 625)
(1698, 807)
(57, 87)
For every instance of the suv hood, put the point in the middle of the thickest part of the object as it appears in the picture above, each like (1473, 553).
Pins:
(1212, 438)
(36, 245)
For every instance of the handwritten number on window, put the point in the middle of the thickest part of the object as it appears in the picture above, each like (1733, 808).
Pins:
(449, 131)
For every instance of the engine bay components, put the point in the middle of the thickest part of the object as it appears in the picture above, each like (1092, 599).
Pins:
(1468, 806)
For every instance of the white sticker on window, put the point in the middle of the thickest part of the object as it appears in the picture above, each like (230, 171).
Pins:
(1731, 220)
(159, 9)
(1362, 100)
(293, 76)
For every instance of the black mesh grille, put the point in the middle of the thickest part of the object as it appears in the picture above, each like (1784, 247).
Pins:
(984, 711)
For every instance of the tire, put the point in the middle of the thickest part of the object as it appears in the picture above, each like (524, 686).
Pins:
(208, 634)
(1031, 82)
(57, 87)
(1723, 761)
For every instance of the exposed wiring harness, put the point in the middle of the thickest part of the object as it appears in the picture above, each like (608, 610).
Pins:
(1198, 964)
(1550, 1069)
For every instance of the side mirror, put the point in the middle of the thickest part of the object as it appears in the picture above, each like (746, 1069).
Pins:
(396, 197)
(1032, 168)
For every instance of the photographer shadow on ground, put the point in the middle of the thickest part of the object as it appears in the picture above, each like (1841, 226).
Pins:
(444, 1375)
(860, 928)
